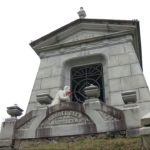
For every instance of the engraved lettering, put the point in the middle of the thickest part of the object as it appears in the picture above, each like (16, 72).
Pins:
(65, 117)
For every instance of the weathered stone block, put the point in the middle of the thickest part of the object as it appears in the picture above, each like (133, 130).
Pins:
(136, 69)
(123, 59)
(43, 63)
(116, 98)
(51, 82)
(132, 117)
(107, 98)
(53, 61)
(113, 61)
(37, 84)
(116, 49)
(133, 82)
(129, 47)
(115, 85)
(49, 61)
(144, 94)
(44, 73)
(7, 133)
(32, 106)
(145, 121)
(119, 71)
(144, 106)
(146, 140)
(133, 58)
(56, 71)
(5, 143)
(145, 131)
(135, 132)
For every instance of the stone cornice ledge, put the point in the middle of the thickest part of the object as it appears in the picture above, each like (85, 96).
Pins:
(82, 47)
(98, 38)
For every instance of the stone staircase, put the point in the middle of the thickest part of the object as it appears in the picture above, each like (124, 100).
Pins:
(106, 117)
(111, 112)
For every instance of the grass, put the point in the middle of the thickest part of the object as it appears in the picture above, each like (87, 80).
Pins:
(95, 144)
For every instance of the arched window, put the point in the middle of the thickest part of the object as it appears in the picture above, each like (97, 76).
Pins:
(83, 76)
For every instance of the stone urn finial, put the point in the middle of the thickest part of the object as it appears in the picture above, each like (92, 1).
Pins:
(92, 91)
(14, 111)
(44, 98)
(129, 97)
(82, 13)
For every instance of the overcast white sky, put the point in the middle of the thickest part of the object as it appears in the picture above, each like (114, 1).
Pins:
(23, 21)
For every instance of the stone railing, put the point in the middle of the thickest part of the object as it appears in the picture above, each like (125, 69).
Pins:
(25, 118)
(116, 113)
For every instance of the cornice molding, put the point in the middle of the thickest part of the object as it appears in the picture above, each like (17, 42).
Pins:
(85, 47)
(84, 41)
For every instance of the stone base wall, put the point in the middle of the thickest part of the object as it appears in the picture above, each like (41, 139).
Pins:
(28, 143)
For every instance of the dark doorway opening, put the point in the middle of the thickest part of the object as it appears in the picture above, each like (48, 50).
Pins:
(83, 76)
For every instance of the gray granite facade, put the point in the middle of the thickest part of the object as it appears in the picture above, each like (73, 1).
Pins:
(113, 43)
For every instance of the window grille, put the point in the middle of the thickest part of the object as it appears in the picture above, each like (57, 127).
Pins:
(83, 76)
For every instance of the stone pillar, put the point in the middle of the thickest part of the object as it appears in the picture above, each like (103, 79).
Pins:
(145, 131)
(7, 134)
(132, 119)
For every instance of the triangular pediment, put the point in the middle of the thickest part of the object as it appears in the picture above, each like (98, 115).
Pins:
(84, 34)
(82, 30)
(76, 33)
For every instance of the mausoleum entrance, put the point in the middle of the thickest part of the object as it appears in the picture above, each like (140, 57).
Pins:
(83, 76)
(81, 72)
(101, 61)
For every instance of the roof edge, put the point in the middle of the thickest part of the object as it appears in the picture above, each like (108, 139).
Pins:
(136, 35)
(98, 38)
(102, 21)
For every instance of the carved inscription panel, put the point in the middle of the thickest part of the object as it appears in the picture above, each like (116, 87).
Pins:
(65, 117)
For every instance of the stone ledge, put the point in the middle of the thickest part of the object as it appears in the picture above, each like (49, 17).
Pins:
(6, 148)
(5, 143)
(27, 143)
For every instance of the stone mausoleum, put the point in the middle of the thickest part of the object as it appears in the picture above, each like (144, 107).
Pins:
(101, 61)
